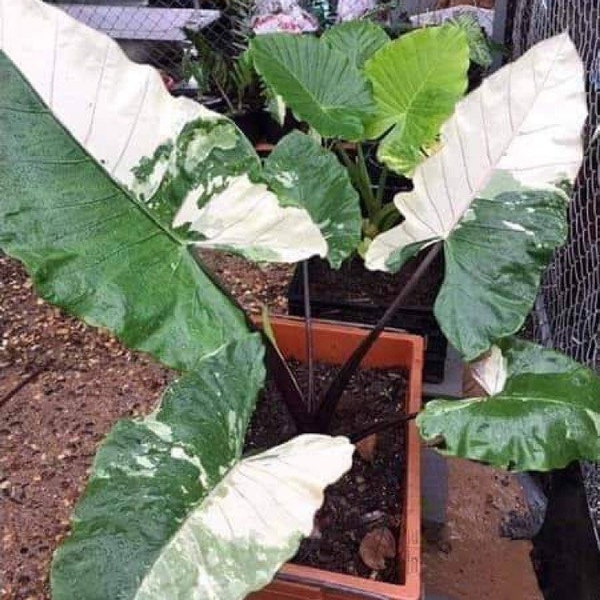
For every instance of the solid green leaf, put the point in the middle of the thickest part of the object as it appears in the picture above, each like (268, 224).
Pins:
(493, 194)
(547, 415)
(356, 40)
(417, 79)
(172, 511)
(319, 84)
(302, 173)
(91, 249)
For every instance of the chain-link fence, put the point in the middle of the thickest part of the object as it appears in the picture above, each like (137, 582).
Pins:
(150, 31)
(568, 310)
(567, 315)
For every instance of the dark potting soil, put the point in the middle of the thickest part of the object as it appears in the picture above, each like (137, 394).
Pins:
(369, 496)
(354, 284)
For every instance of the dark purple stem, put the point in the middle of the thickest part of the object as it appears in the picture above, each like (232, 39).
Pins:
(309, 341)
(340, 381)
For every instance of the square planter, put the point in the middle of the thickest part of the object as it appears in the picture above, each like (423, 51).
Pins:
(333, 344)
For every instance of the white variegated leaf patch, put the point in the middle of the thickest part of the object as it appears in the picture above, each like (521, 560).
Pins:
(168, 152)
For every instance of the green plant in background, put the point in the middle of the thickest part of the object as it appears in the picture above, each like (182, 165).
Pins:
(107, 226)
(481, 48)
(218, 60)
(354, 84)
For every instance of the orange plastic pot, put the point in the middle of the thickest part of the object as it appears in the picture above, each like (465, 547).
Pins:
(333, 344)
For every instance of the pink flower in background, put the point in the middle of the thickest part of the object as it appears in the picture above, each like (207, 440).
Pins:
(282, 15)
(349, 10)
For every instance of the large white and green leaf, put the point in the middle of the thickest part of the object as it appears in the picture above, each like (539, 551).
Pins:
(303, 173)
(101, 167)
(417, 80)
(301, 180)
(492, 194)
(357, 40)
(171, 510)
(319, 84)
(87, 245)
(546, 415)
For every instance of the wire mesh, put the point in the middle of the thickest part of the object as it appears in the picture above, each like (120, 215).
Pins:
(150, 31)
(567, 315)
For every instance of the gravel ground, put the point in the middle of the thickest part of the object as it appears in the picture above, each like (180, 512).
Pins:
(62, 387)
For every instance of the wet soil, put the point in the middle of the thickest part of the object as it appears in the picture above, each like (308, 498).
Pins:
(78, 382)
(366, 498)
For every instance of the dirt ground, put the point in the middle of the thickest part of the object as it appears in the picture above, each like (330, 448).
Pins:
(63, 385)
(76, 383)
(472, 561)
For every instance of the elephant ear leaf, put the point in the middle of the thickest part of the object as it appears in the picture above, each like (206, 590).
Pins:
(546, 415)
(305, 174)
(492, 194)
(417, 80)
(108, 182)
(172, 510)
(319, 84)
(357, 40)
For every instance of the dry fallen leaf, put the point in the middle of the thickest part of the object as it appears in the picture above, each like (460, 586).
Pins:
(366, 447)
(376, 546)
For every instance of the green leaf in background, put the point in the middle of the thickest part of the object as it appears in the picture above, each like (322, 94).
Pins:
(302, 173)
(547, 415)
(356, 40)
(492, 194)
(417, 79)
(480, 49)
(319, 84)
(172, 511)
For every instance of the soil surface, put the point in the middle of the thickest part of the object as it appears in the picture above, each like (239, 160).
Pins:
(63, 385)
(254, 285)
(369, 496)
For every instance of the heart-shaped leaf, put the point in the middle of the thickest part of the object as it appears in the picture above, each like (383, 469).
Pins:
(356, 40)
(321, 85)
(546, 416)
(417, 79)
(107, 181)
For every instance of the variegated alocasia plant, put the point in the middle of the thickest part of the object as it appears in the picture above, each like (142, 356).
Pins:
(107, 186)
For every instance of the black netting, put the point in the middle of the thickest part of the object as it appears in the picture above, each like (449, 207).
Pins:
(568, 310)
(150, 32)
(567, 315)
